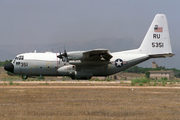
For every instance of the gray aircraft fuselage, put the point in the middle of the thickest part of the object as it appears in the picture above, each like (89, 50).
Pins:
(35, 66)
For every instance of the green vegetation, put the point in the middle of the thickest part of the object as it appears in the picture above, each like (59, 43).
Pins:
(40, 78)
(141, 80)
(47, 83)
(147, 74)
(136, 69)
(152, 82)
(132, 84)
(10, 82)
(108, 80)
(140, 84)
(2, 63)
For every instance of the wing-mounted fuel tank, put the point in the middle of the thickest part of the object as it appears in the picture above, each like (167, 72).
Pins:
(70, 70)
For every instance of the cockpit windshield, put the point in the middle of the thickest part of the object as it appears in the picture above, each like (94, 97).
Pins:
(18, 58)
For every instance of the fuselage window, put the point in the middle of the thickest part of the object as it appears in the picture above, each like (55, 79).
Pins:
(16, 58)
(17, 63)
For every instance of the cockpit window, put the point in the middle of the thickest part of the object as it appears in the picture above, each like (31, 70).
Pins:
(18, 58)
(21, 57)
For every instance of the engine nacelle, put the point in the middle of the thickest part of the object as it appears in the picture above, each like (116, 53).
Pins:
(75, 55)
(68, 70)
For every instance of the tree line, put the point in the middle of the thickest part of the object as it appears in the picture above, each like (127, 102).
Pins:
(2, 63)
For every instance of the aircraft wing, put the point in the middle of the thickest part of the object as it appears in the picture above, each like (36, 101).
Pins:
(97, 54)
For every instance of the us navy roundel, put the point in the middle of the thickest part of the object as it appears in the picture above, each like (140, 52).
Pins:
(118, 63)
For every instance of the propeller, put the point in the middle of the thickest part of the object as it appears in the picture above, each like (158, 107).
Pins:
(63, 56)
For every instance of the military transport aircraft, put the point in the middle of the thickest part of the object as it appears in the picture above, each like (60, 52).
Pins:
(97, 62)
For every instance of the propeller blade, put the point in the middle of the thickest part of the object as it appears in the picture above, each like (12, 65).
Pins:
(65, 53)
(63, 56)
(60, 55)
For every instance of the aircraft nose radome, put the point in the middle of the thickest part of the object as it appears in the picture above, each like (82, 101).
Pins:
(9, 67)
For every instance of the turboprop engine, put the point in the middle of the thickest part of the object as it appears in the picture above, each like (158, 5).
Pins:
(70, 70)
(75, 55)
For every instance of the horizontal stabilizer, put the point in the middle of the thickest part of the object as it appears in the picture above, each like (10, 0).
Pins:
(161, 55)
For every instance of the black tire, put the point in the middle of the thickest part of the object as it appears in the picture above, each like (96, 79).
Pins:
(73, 78)
(24, 77)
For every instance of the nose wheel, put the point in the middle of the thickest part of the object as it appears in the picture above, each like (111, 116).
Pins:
(24, 77)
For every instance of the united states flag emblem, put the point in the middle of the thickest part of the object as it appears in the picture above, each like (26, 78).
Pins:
(158, 29)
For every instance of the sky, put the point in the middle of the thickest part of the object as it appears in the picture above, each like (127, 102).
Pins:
(55, 25)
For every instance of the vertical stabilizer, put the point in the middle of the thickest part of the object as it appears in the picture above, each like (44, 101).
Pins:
(157, 39)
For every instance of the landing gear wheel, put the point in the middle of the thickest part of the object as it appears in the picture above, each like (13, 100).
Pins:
(88, 78)
(73, 78)
(24, 77)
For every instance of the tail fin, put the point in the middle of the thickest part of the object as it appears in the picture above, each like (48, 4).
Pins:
(157, 43)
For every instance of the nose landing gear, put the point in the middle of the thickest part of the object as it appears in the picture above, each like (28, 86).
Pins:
(24, 77)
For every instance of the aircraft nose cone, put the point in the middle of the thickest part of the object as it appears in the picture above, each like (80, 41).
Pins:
(9, 67)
